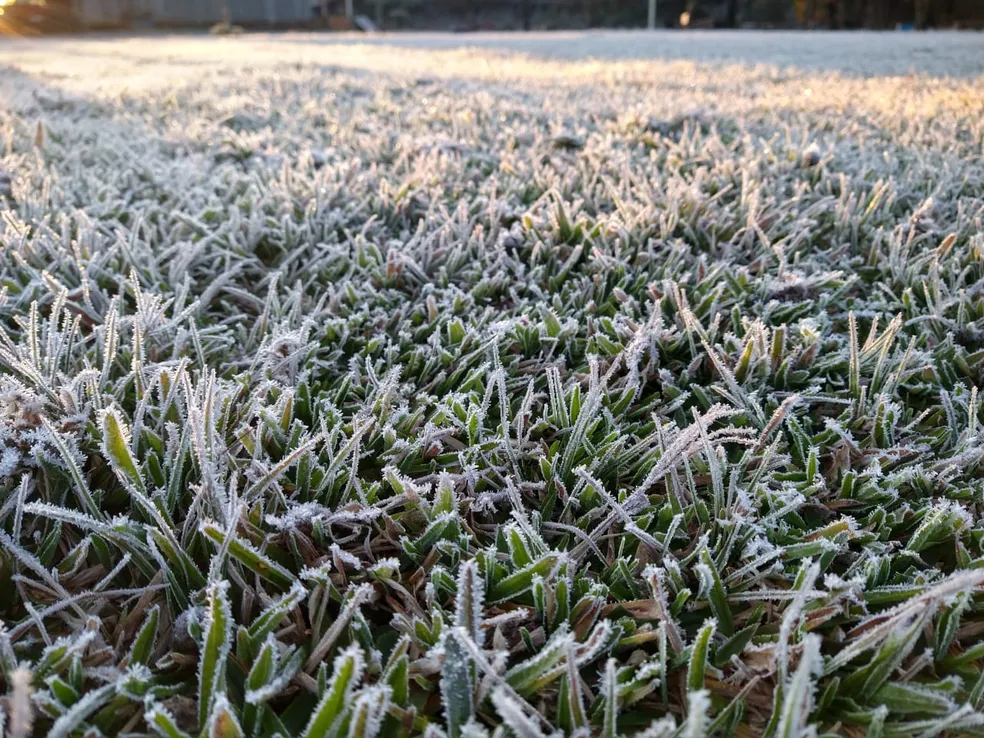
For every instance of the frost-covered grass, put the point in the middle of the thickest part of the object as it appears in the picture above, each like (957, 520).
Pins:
(389, 390)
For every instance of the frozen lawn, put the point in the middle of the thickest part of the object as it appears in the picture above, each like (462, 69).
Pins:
(604, 384)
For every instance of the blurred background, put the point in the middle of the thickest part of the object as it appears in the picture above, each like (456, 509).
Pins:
(29, 17)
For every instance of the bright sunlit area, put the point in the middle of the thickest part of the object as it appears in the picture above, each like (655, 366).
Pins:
(491, 370)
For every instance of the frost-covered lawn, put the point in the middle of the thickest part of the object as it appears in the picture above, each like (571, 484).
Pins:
(492, 385)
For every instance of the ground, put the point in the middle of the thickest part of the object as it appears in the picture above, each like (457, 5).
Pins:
(595, 384)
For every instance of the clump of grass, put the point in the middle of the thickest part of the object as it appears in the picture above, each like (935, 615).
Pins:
(474, 403)
(226, 29)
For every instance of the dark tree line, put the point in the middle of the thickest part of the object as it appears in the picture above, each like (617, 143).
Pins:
(717, 13)
(882, 13)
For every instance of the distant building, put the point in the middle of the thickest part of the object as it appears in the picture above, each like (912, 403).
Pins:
(102, 13)
(241, 12)
(174, 13)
